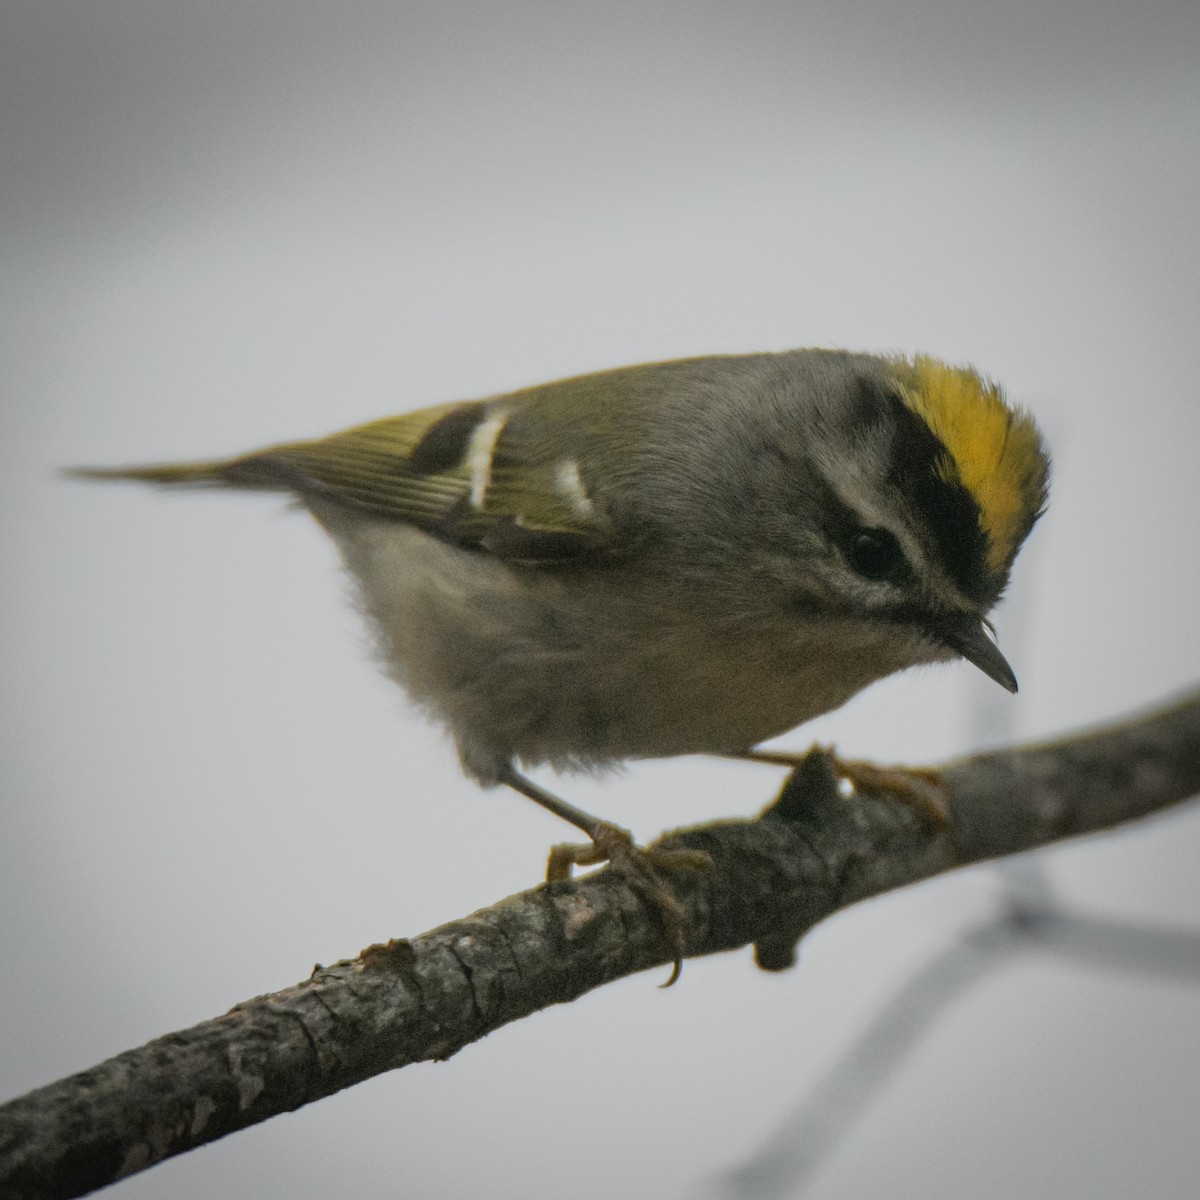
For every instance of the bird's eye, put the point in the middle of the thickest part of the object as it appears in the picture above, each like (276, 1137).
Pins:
(876, 555)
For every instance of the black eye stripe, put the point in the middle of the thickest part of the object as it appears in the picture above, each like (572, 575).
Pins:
(922, 471)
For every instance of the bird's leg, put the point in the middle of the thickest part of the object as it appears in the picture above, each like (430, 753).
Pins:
(920, 788)
(613, 845)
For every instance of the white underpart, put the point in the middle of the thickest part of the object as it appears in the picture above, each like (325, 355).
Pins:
(479, 454)
(569, 485)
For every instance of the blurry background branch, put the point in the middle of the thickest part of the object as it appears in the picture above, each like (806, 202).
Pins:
(1029, 920)
(813, 852)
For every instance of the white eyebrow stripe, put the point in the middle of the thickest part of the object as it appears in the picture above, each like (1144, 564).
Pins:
(569, 485)
(479, 454)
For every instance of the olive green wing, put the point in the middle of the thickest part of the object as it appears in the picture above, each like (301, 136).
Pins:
(483, 474)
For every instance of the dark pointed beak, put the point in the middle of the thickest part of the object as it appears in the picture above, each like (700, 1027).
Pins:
(968, 636)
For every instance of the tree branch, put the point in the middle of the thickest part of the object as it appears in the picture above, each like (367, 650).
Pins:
(810, 854)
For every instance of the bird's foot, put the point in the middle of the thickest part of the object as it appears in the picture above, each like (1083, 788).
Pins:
(919, 788)
(641, 866)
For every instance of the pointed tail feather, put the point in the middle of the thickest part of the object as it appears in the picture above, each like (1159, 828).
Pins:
(250, 472)
(193, 473)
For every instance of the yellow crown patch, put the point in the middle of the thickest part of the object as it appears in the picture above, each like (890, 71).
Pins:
(995, 451)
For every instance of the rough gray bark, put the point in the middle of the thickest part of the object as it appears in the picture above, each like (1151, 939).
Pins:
(810, 854)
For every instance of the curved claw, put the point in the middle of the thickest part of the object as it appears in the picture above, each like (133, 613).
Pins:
(923, 790)
(641, 866)
(919, 788)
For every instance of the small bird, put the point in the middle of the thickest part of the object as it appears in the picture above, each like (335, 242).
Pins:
(674, 558)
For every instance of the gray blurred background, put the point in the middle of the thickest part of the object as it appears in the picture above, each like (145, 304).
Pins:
(226, 224)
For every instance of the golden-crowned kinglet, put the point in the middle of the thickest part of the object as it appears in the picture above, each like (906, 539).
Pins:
(674, 558)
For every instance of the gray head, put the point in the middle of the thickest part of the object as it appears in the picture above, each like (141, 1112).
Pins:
(871, 490)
